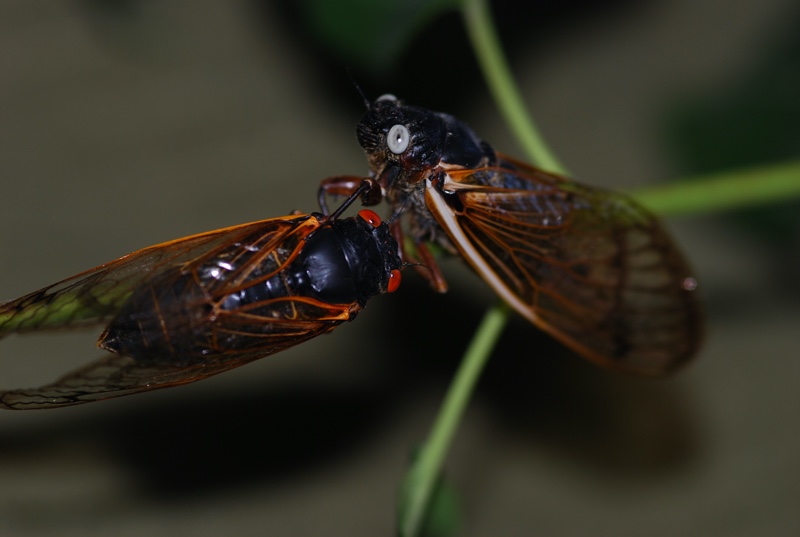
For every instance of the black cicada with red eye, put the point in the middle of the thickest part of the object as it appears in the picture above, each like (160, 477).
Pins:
(589, 266)
(187, 309)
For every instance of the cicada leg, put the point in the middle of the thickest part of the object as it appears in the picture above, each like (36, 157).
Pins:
(370, 192)
(347, 185)
(423, 261)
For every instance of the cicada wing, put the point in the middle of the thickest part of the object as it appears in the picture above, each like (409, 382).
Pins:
(591, 267)
(110, 376)
(95, 296)
(117, 375)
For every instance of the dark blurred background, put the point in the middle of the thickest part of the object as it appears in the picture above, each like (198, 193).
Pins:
(124, 124)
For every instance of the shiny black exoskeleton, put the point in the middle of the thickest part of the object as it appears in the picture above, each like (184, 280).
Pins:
(348, 261)
(342, 263)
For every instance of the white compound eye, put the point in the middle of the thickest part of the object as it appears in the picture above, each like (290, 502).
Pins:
(386, 97)
(398, 138)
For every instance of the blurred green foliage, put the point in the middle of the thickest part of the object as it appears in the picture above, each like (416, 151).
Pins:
(747, 122)
(371, 33)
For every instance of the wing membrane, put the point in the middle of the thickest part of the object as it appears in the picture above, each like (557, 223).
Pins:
(116, 375)
(93, 297)
(589, 266)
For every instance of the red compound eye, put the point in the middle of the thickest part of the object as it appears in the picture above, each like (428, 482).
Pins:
(394, 281)
(371, 217)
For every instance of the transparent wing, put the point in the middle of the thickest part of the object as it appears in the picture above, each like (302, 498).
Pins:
(94, 296)
(589, 266)
(116, 375)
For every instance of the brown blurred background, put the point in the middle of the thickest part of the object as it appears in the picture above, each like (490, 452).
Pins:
(124, 124)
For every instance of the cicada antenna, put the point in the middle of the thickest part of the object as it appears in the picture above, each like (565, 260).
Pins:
(367, 102)
(417, 266)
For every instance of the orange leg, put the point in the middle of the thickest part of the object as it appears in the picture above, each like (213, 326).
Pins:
(424, 264)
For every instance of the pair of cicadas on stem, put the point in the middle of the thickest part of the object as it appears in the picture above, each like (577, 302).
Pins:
(589, 266)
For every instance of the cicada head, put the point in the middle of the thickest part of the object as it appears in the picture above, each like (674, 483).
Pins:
(403, 143)
(399, 136)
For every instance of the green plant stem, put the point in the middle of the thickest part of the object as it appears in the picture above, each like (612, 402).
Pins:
(426, 468)
(482, 34)
(724, 190)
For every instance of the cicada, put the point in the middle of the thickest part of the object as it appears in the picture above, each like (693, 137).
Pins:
(187, 309)
(589, 266)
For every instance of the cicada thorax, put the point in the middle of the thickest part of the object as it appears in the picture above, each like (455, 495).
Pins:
(250, 293)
